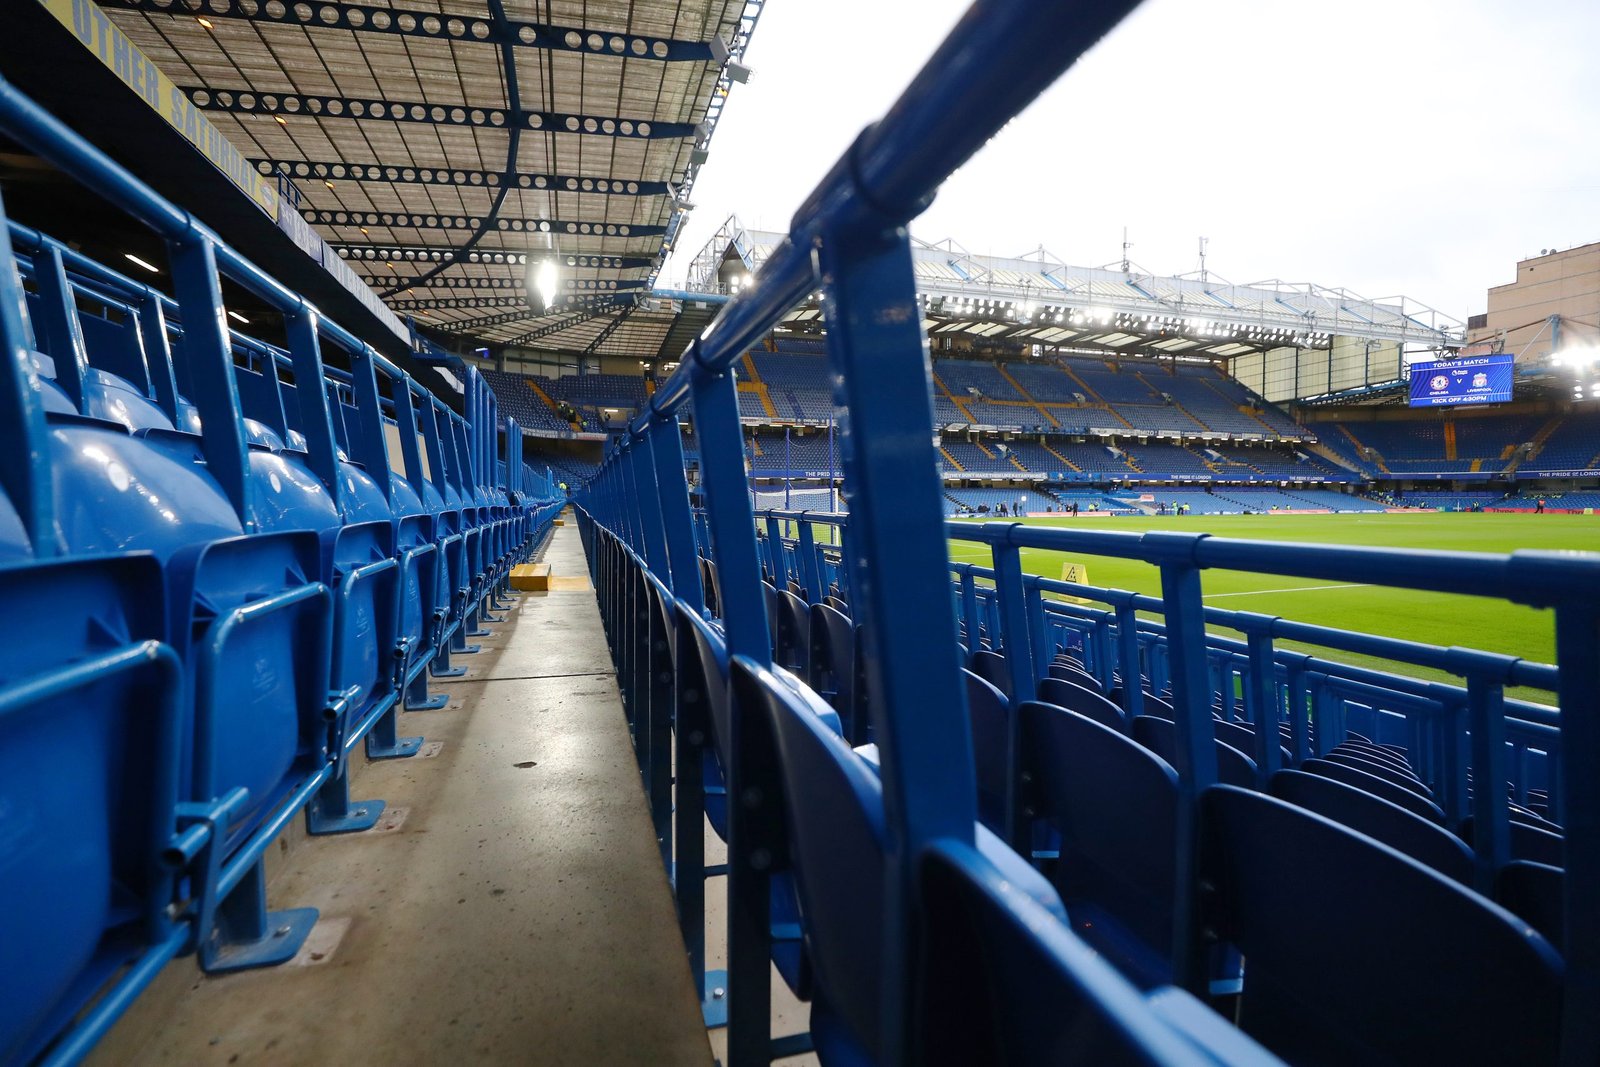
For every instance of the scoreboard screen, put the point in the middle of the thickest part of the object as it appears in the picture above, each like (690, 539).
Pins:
(1475, 380)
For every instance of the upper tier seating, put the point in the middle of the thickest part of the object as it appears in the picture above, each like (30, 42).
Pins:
(1192, 388)
(797, 384)
(1202, 398)
(962, 376)
(805, 452)
(593, 394)
(1047, 382)
(1111, 382)
(518, 400)
(1574, 445)
(1156, 417)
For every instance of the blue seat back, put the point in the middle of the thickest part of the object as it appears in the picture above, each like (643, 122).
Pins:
(1074, 697)
(989, 714)
(89, 720)
(834, 812)
(1409, 799)
(1161, 737)
(1427, 843)
(1003, 982)
(1115, 806)
(1399, 964)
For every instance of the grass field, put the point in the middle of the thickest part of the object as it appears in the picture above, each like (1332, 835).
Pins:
(1435, 618)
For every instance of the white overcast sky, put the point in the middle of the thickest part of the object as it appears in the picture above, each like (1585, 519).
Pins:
(1414, 147)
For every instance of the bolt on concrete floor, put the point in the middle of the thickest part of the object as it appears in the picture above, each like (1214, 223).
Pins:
(518, 913)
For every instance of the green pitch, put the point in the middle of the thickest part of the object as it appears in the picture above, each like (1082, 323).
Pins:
(1434, 618)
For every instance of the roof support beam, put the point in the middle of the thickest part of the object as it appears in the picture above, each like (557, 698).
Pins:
(488, 321)
(463, 303)
(249, 102)
(364, 18)
(326, 217)
(605, 334)
(337, 170)
(558, 325)
(440, 254)
(445, 283)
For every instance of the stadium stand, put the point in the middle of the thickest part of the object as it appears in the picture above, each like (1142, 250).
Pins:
(1038, 458)
(520, 400)
(969, 377)
(1094, 457)
(1335, 501)
(1047, 383)
(1274, 461)
(1448, 501)
(970, 814)
(1431, 445)
(594, 394)
(1165, 460)
(569, 468)
(807, 452)
(977, 458)
(797, 383)
(990, 499)
(1573, 446)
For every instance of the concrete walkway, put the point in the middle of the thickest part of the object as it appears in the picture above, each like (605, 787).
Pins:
(516, 910)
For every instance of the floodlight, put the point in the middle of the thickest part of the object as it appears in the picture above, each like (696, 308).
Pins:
(1578, 357)
(545, 279)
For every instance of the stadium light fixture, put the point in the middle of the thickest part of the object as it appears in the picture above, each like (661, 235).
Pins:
(544, 278)
(151, 267)
(1578, 357)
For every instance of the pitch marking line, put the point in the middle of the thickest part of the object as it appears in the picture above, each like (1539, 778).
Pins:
(1291, 589)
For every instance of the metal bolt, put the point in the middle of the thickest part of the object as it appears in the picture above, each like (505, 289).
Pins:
(282, 931)
(717, 993)
(361, 811)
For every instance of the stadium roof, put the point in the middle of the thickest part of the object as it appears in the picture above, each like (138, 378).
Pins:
(1035, 299)
(440, 145)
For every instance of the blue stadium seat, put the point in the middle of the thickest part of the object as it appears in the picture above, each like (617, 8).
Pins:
(1461, 980)
(1114, 804)
(1002, 981)
(1403, 831)
(1400, 795)
(97, 837)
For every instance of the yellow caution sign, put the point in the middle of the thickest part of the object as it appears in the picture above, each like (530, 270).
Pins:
(1077, 574)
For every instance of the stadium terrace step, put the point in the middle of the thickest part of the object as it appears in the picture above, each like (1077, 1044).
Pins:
(1069, 464)
(531, 577)
(754, 384)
